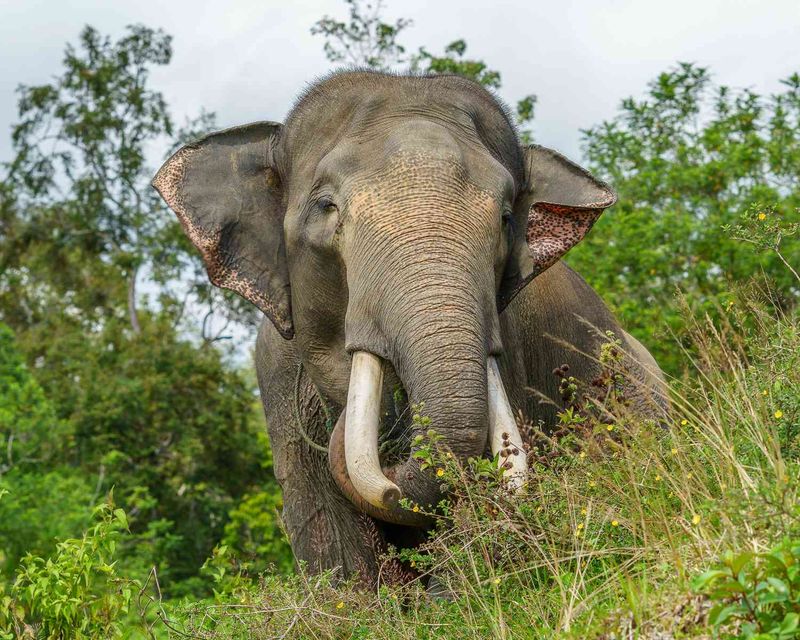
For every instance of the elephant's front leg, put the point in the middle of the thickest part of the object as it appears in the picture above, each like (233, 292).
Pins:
(325, 530)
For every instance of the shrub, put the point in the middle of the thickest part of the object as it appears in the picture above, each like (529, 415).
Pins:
(75, 593)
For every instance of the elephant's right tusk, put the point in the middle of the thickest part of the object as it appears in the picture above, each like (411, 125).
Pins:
(504, 437)
(361, 434)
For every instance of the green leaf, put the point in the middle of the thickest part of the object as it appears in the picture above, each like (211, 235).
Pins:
(119, 516)
(722, 612)
(790, 624)
(706, 579)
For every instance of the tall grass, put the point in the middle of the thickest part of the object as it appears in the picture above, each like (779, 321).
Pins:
(618, 517)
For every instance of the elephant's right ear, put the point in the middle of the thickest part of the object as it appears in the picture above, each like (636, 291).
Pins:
(227, 195)
(556, 209)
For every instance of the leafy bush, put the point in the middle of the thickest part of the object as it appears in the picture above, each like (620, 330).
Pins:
(76, 593)
(758, 594)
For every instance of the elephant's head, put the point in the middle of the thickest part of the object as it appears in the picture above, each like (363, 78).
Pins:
(384, 227)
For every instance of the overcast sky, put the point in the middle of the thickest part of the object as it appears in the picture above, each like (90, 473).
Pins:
(246, 60)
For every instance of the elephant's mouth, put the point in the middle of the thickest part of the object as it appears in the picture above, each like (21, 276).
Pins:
(373, 437)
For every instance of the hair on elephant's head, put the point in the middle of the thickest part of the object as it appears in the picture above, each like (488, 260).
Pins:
(384, 226)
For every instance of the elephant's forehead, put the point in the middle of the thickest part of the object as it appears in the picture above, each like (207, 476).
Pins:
(415, 184)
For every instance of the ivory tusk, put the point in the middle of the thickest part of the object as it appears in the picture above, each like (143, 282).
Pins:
(361, 432)
(504, 437)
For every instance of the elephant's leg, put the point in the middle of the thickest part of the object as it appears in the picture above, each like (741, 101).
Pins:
(325, 530)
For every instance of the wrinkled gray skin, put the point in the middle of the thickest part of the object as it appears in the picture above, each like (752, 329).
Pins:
(399, 216)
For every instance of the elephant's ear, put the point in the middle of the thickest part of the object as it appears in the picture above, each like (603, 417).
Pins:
(553, 212)
(227, 195)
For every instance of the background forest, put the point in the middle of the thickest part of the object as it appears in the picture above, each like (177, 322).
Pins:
(136, 492)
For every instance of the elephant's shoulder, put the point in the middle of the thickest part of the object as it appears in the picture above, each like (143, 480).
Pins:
(561, 289)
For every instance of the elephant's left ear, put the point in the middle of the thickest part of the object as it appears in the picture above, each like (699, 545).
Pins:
(554, 211)
(227, 194)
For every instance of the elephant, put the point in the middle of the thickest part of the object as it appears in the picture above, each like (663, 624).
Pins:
(406, 249)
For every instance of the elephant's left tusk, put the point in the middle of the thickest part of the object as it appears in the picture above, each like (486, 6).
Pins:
(504, 437)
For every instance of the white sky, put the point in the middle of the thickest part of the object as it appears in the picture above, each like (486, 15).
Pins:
(246, 60)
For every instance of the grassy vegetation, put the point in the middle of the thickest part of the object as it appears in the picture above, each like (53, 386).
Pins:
(616, 527)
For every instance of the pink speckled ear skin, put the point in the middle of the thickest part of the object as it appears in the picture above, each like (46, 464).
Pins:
(553, 212)
(227, 196)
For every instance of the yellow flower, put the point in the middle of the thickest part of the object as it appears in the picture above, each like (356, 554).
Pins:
(416, 508)
(496, 580)
(592, 483)
(764, 392)
(439, 473)
(762, 216)
(582, 455)
(538, 509)
(684, 422)
(580, 525)
(614, 523)
(610, 427)
(695, 519)
(340, 605)
(449, 454)
(689, 476)
(583, 511)
(674, 451)
(779, 414)
(658, 477)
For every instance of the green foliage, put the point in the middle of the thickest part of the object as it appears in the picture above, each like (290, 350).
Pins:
(454, 63)
(75, 593)
(763, 227)
(687, 160)
(255, 536)
(169, 425)
(28, 422)
(86, 134)
(758, 594)
(101, 388)
(39, 508)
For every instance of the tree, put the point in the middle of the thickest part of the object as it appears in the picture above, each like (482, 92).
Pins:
(687, 160)
(84, 214)
(367, 41)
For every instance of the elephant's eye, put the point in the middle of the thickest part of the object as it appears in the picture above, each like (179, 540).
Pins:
(326, 205)
(508, 226)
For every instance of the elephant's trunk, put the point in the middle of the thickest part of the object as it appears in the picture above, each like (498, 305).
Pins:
(440, 352)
